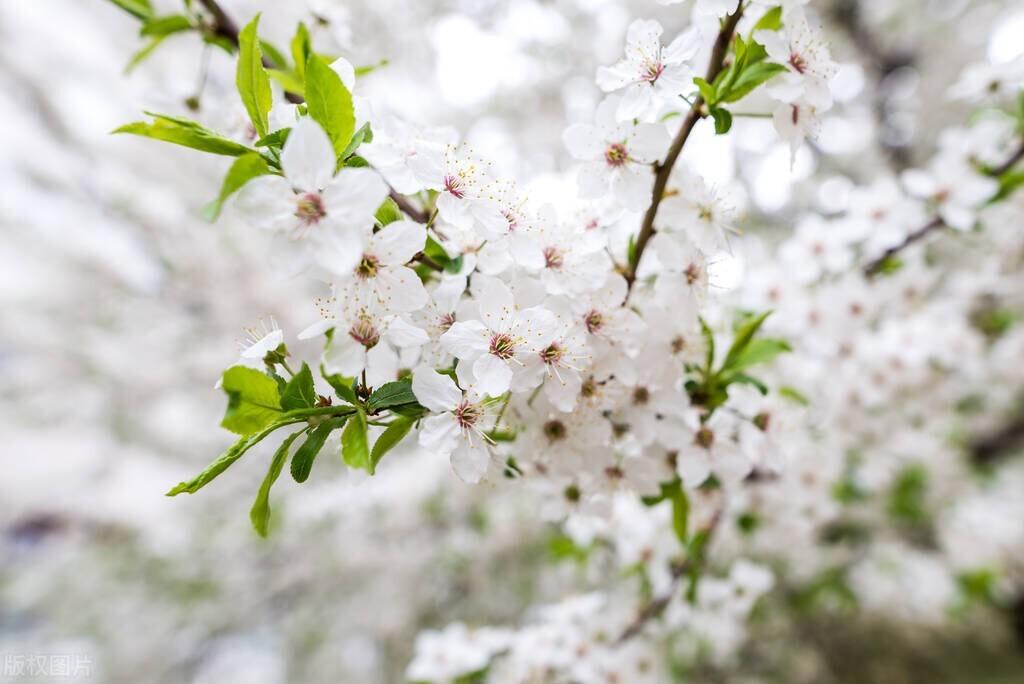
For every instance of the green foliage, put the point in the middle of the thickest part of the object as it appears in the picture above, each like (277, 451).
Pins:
(364, 134)
(300, 391)
(673, 492)
(253, 400)
(907, 495)
(302, 462)
(794, 395)
(343, 387)
(302, 48)
(392, 394)
(244, 169)
(184, 132)
(723, 120)
(167, 25)
(329, 103)
(388, 212)
(252, 80)
(748, 69)
(141, 9)
(770, 21)
(260, 512)
(389, 439)
(710, 388)
(354, 447)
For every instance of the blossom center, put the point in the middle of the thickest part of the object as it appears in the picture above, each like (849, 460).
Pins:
(503, 346)
(454, 186)
(692, 273)
(762, 421)
(593, 321)
(798, 62)
(553, 258)
(365, 332)
(652, 72)
(704, 438)
(310, 208)
(467, 415)
(447, 321)
(552, 354)
(555, 430)
(367, 267)
(641, 395)
(616, 154)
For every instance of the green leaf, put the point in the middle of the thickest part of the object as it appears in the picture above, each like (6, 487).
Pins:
(225, 460)
(143, 54)
(342, 386)
(723, 120)
(253, 400)
(391, 394)
(243, 170)
(365, 69)
(138, 8)
(302, 461)
(165, 26)
(794, 395)
(302, 48)
(751, 78)
(354, 448)
(757, 352)
(388, 212)
(744, 335)
(274, 140)
(389, 439)
(907, 497)
(260, 512)
(275, 56)
(680, 509)
(299, 392)
(184, 132)
(631, 254)
(744, 379)
(707, 91)
(287, 80)
(364, 134)
(771, 21)
(252, 80)
(709, 342)
(329, 103)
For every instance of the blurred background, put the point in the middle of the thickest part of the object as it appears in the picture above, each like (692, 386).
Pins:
(120, 306)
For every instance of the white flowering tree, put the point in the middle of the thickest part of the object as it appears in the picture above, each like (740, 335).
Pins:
(584, 350)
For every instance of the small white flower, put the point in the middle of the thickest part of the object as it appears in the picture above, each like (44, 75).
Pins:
(456, 429)
(617, 156)
(322, 215)
(492, 349)
(649, 73)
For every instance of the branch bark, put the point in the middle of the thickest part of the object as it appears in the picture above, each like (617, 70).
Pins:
(990, 448)
(664, 170)
(874, 266)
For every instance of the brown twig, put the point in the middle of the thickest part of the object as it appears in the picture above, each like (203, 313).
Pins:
(226, 27)
(417, 215)
(1009, 163)
(986, 450)
(875, 266)
(664, 170)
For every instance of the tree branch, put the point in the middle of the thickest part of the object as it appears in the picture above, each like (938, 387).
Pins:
(988, 449)
(664, 170)
(875, 266)
(226, 27)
